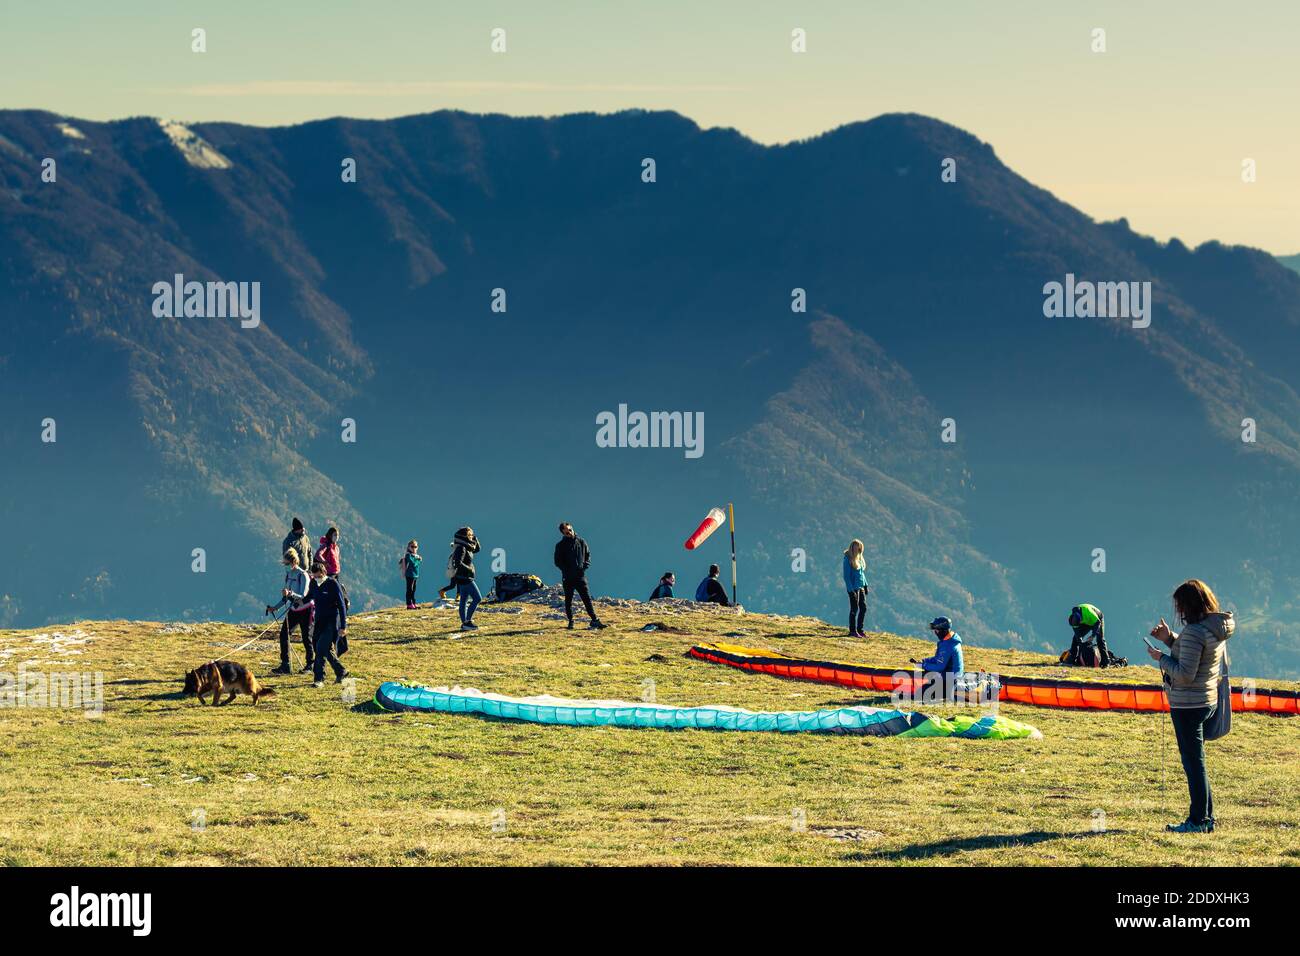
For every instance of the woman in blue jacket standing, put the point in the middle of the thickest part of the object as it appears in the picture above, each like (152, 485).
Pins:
(855, 581)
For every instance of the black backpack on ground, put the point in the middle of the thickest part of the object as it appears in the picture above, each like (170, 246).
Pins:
(507, 587)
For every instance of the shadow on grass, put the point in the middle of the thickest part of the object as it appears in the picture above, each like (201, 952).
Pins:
(132, 682)
(925, 851)
(869, 699)
(1032, 664)
(449, 635)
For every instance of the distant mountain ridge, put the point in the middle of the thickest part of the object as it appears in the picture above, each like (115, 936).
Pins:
(924, 299)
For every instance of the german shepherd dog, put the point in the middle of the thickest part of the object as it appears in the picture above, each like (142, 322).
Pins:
(216, 676)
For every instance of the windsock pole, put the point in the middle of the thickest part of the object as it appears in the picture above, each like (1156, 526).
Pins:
(731, 514)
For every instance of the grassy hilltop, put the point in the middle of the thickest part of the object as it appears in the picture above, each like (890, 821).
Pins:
(307, 778)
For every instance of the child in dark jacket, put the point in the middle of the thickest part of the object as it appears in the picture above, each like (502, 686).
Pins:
(331, 622)
(410, 565)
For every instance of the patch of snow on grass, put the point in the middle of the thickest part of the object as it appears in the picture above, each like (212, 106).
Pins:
(197, 151)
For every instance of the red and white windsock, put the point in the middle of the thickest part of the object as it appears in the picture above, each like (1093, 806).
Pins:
(709, 525)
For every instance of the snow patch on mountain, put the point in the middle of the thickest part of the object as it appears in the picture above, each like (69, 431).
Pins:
(197, 151)
(69, 131)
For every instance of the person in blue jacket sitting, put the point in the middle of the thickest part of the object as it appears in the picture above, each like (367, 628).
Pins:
(948, 657)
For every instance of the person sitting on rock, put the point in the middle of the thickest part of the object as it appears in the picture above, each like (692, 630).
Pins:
(665, 588)
(711, 590)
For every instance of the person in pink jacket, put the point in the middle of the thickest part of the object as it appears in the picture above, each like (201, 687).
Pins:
(328, 555)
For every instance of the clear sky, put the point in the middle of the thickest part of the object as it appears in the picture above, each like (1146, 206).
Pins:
(1154, 129)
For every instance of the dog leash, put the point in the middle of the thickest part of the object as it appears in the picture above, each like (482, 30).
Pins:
(253, 640)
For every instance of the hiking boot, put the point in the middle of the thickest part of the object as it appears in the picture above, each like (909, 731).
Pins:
(340, 678)
(595, 626)
(284, 668)
(570, 624)
(469, 626)
(1187, 826)
(307, 668)
(318, 684)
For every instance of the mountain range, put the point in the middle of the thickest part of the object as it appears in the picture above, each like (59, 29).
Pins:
(1089, 459)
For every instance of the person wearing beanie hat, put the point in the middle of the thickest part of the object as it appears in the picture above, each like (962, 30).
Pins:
(298, 541)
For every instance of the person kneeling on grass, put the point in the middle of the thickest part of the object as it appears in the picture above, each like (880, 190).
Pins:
(293, 593)
(948, 657)
(331, 622)
(1088, 647)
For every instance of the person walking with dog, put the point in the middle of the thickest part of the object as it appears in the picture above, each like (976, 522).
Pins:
(464, 546)
(855, 581)
(331, 623)
(573, 557)
(1191, 668)
(294, 593)
(410, 566)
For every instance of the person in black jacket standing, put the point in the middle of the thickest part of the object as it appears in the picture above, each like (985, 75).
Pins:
(464, 546)
(573, 558)
(331, 622)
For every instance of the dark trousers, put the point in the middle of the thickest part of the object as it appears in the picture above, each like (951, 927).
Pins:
(327, 633)
(410, 590)
(301, 619)
(1189, 729)
(579, 585)
(1076, 646)
(857, 610)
